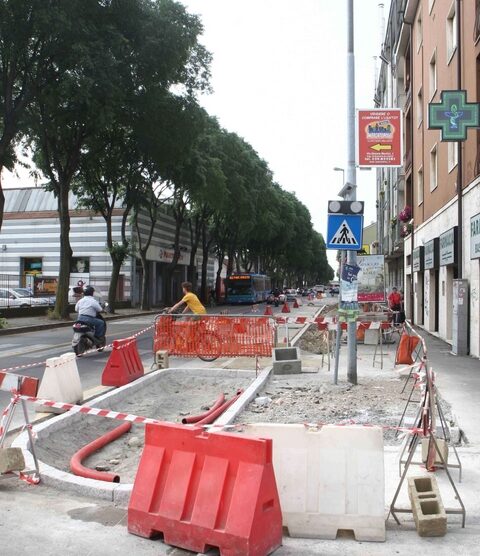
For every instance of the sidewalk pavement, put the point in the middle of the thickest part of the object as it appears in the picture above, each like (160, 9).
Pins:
(42, 322)
(458, 380)
(56, 522)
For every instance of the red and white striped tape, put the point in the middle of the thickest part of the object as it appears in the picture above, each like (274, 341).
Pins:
(109, 414)
(94, 350)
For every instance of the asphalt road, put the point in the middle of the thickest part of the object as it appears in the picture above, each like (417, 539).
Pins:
(31, 347)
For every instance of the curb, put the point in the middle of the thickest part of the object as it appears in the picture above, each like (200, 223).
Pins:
(306, 326)
(50, 326)
(119, 494)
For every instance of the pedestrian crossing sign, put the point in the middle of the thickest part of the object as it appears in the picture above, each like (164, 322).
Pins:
(345, 231)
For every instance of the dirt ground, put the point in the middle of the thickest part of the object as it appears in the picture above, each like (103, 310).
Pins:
(169, 399)
(295, 399)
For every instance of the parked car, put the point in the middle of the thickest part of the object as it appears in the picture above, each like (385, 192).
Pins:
(334, 290)
(319, 288)
(11, 298)
(27, 292)
(271, 298)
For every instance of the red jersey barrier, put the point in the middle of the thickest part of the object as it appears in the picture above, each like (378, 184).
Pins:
(203, 489)
(124, 364)
(24, 385)
(214, 335)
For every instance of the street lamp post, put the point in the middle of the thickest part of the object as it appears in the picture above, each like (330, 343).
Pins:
(351, 195)
(337, 169)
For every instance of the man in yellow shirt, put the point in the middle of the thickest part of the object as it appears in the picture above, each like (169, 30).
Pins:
(190, 300)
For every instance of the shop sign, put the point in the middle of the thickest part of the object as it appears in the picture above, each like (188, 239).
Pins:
(417, 259)
(448, 247)
(431, 254)
(475, 237)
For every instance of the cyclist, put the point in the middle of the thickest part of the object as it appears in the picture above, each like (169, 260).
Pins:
(190, 300)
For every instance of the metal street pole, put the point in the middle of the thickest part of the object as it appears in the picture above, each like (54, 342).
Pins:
(351, 177)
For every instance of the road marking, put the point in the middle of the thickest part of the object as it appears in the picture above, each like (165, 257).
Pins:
(25, 351)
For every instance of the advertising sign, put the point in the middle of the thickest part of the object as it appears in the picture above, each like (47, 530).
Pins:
(348, 310)
(475, 237)
(417, 259)
(431, 254)
(371, 278)
(379, 137)
(448, 247)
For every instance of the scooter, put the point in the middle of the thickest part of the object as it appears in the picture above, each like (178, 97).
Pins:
(84, 337)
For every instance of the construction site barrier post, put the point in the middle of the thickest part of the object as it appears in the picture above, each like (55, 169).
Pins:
(124, 364)
(206, 490)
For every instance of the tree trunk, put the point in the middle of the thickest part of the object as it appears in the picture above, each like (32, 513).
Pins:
(144, 301)
(112, 289)
(61, 302)
(173, 265)
(218, 278)
(2, 199)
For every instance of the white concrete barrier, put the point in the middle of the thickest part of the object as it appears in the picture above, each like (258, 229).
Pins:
(60, 382)
(328, 478)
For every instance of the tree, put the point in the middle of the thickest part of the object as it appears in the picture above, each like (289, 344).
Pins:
(118, 51)
(31, 45)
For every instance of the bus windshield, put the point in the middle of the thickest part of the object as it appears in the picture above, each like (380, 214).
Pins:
(239, 289)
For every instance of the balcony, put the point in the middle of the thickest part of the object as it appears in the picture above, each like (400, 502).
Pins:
(393, 242)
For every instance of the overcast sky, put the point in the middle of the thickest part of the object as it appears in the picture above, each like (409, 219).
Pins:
(279, 81)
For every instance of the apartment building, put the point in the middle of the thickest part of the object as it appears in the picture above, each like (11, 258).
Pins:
(434, 45)
(29, 246)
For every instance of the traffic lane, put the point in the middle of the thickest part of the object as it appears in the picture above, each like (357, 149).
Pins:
(90, 366)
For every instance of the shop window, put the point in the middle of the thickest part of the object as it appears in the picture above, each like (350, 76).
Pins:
(32, 265)
(80, 265)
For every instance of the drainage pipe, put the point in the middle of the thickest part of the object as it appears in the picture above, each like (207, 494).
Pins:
(76, 462)
(195, 418)
(215, 414)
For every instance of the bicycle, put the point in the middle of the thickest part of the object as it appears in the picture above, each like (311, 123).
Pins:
(188, 334)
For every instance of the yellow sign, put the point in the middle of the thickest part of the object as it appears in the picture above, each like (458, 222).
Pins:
(366, 248)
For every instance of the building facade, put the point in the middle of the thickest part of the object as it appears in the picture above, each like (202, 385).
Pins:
(436, 48)
(29, 248)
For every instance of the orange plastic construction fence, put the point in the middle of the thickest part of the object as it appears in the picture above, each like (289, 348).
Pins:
(214, 335)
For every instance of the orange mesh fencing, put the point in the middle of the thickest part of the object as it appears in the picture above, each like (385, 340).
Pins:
(214, 335)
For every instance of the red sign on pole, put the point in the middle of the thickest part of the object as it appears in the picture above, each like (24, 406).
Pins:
(379, 137)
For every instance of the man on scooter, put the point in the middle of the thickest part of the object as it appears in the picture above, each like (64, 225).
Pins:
(88, 308)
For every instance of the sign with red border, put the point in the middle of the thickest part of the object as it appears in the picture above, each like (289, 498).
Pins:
(379, 137)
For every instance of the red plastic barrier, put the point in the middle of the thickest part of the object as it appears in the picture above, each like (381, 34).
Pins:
(124, 364)
(24, 385)
(203, 490)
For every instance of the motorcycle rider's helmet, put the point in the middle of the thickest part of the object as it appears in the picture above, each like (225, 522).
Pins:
(88, 290)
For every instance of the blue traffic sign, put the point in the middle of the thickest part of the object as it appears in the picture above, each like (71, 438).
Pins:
(345, 231)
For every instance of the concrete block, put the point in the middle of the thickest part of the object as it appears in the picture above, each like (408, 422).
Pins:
(286, 361)
(328, 478)
(60, 382)
(161, 359)
(442, 448)
(11, 459)
(427, 506)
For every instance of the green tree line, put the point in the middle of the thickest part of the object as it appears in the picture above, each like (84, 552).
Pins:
(104, 94)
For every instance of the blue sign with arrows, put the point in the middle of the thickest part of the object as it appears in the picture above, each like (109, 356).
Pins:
(345, 231)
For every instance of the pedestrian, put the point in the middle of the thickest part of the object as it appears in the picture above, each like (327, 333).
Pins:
(190, 300)
(395, 304)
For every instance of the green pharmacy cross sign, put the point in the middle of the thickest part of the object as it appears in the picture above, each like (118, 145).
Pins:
(453, 115)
